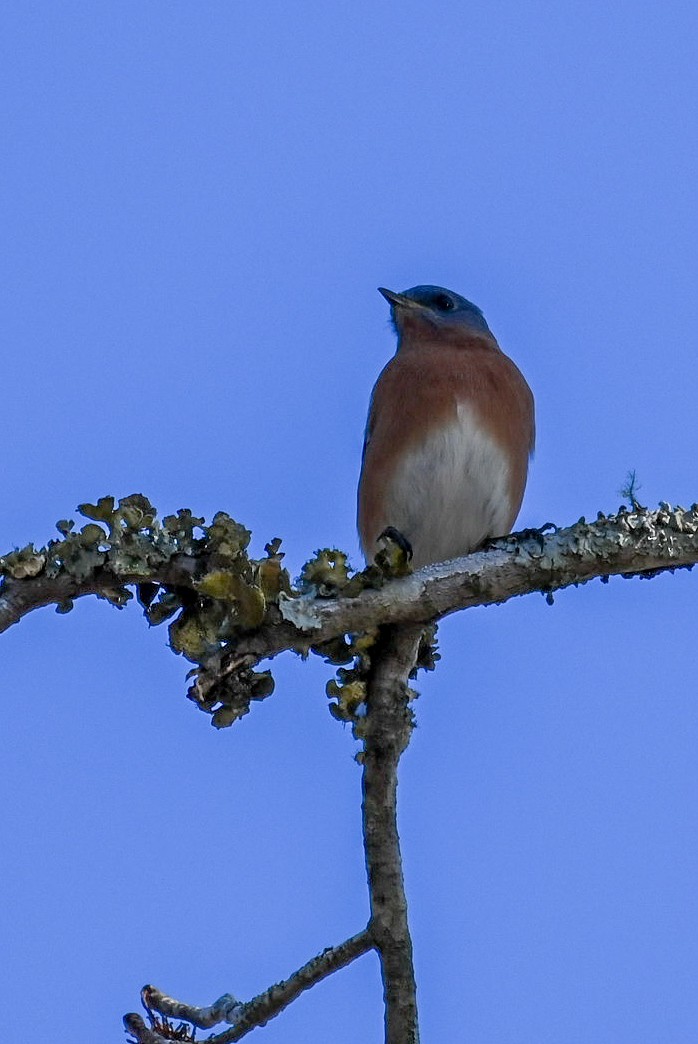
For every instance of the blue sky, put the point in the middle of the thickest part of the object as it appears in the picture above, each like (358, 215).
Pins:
(198, 201)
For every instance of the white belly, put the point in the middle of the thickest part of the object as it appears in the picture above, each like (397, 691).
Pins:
(451, 492)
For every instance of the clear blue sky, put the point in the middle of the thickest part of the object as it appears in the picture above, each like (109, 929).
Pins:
(198, 203)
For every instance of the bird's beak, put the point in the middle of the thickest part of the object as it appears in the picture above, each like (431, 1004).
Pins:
(398, 300)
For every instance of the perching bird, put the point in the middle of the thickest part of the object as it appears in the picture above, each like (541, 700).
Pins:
(450, 430)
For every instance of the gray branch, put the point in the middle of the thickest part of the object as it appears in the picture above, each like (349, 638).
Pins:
(630, 544)
(256, 1012)
(388, 728)
(19, 597)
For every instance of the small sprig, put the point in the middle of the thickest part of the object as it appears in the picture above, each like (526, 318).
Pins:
(629, 490)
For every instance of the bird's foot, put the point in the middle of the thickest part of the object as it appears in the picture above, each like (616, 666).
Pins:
(537, 533)
(530, 533)
(393, 534)
(395, 552)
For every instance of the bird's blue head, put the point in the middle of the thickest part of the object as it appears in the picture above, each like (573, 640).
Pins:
(435, 306)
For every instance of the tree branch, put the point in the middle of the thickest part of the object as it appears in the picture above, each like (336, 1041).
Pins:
(235, 611)
(248, 1016)
(387, 733)
(638, 543)
(629, 543)
(19, 597)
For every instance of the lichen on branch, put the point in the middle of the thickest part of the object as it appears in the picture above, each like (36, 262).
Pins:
(199, 577)
(228, 611)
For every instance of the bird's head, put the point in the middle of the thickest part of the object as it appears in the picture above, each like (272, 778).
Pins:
(434, 311)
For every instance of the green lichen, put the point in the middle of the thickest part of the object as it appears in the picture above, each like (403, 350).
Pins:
(221, 594)
(326, 574)
(347, 690)
(202, 580)
(23, 563)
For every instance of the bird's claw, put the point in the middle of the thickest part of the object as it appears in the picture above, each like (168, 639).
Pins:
(391, 533)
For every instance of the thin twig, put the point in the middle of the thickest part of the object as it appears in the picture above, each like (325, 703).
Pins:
(259, 1010)
(142, 1034)
(388, 728)
(20, 597)
(222, 1010)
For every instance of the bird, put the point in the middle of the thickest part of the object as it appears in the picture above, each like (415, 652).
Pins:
(449, 434)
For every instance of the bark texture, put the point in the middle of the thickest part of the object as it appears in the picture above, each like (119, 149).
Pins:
(389, 724)
(242, 1017)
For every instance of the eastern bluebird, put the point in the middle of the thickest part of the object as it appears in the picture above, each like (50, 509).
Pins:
(450, 430)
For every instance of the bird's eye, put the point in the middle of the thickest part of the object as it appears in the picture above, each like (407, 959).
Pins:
(443, 302)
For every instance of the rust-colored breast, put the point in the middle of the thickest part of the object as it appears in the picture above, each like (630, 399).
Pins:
(419, 391)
